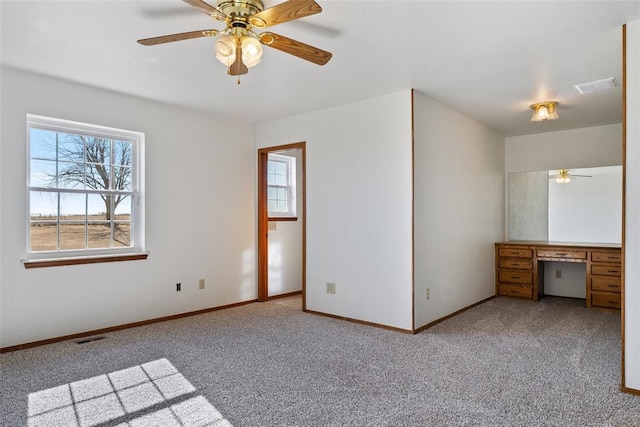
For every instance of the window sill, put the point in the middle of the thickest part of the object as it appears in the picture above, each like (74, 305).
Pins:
(282, 218)
(40, 263)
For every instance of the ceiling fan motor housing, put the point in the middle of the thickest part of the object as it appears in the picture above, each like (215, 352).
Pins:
(240, 9)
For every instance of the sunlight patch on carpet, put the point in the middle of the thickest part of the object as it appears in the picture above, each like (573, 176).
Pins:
(156, 392)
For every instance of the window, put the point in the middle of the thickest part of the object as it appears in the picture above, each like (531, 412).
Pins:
(281, 185)
(83, 184)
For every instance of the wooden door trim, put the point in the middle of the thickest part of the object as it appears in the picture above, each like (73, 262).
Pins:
(263, 219)
(624, 206)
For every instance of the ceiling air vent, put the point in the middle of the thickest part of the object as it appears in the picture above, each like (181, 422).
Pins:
(596, 85)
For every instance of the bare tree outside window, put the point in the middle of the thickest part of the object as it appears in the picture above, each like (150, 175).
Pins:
(98, 164)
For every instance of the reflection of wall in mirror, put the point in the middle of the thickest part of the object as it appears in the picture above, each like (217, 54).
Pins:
(528, 210)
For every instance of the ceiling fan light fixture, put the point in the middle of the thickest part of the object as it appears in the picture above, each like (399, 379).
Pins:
(226, 49)
(544, 111)
(251, 51)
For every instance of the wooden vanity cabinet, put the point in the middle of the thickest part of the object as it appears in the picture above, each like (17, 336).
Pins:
(604, 279)
(515, 272)
(520, 272)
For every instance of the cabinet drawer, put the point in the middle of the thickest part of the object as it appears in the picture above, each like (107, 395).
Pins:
(561, 253)
(606, 270)
(605, 300)
(517, 264)
(515, 252)
(606, 257)
(514, 276)
(516, 291)
(605, 283)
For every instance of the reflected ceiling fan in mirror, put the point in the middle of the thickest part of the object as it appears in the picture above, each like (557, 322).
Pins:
(564, 177)
(238, 46)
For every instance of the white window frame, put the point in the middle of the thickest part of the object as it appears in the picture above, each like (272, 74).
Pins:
(136, 192)
(291, 185)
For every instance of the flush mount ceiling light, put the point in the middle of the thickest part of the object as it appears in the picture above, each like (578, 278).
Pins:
(563, 176)
(239, 47)
(544, 111)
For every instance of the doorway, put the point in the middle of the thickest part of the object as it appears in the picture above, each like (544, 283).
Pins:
(285, 214)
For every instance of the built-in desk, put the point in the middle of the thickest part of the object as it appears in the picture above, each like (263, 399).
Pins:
(520, 274)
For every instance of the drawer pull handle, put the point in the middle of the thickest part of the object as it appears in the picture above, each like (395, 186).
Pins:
(559, 254)
(613, 271)
(612, 286)
(515, 277)
(613, 302)
(515, 292)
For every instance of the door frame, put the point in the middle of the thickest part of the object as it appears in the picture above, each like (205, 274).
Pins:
(263, 219)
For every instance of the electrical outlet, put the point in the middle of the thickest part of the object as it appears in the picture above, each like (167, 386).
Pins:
(201, 283)
(558, 274)
(178, 287)
(272, 225)
(331, 288)
(428, 293)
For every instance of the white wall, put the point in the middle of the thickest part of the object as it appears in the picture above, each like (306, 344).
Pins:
(195, 227)
(575, 148)
(285, 244)
(632, 212)
(358, 206)
(459, 199)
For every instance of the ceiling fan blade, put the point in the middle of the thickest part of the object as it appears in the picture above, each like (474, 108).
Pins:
(295, 48)
(206, 8)
(283, 12)
(177, 37)
(580, 176)
(238, 68)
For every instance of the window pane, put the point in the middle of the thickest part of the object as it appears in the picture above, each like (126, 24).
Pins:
(43, 205)
(71, 175)
(271, 166)
(121, 234)
(281, 180)
(96, 150)
(272, 193)
(98, 176)
(72, 235)
(273, 205)
(271, 179)
(98, 207)
(282, 206)
(99, 235)
(43, 236)
(42, 144)
(122, 208)
(121, 153)
(281, 168)
(121, 178)
(282, 194)
(72, 207)
(43, 173)
(71, 147)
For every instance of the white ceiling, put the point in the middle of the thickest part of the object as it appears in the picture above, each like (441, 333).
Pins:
(486, 59)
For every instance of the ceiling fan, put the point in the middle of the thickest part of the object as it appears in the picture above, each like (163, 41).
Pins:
(564, 177)
(238, 46)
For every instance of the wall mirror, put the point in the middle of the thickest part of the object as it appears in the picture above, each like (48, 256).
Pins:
(585, 206)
